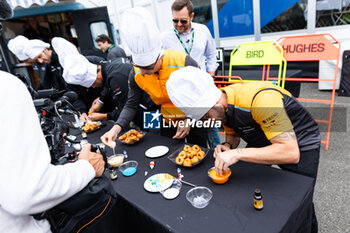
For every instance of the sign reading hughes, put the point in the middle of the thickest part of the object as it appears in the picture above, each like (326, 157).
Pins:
(304, 48)
(308, 48)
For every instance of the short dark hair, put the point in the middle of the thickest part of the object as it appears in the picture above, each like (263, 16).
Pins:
(180, 4)
(103, 38)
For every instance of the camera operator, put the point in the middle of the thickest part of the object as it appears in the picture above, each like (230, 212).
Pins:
(30, 183)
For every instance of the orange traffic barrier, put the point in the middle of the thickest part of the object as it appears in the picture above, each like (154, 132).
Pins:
(223, 81)
(314, 47)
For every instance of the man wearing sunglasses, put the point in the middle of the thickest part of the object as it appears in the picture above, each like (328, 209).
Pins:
(152, 68)
(189, 37)
(195, 40)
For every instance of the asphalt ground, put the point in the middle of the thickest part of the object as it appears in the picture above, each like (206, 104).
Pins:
(331, 197)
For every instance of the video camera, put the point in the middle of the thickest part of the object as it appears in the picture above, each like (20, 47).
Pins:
(48, 103)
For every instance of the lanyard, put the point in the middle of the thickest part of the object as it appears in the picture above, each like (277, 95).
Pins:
(112, 46)
(183, 44)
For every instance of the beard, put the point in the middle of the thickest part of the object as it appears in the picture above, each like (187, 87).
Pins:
(218, 113)
(183, 28)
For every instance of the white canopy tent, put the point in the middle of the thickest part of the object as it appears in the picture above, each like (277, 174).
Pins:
(28, 3)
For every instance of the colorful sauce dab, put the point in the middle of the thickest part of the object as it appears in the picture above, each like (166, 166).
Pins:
(168, 176)
(129, 171)
(151, 164)
(179, 174)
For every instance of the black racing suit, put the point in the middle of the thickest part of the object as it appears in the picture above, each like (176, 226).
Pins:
(53, 75)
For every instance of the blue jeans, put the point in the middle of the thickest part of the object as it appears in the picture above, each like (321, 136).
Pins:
(213, 137)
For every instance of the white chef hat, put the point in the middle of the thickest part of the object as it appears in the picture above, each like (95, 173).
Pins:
(142, 36)
(193, 91)
(16, 46)
(34, 47)
(79, 71)
(63, 48)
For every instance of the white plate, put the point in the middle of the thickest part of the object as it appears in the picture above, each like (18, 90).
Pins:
(156, 151)
(158, 182)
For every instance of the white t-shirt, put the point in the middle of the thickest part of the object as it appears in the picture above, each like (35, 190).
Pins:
(29, 183)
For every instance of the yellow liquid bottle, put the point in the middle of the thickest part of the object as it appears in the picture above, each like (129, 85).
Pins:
(258, 201)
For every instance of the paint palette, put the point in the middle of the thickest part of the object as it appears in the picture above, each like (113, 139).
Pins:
(158, 182)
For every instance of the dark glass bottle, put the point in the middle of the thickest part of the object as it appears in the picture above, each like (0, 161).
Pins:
(258, 201)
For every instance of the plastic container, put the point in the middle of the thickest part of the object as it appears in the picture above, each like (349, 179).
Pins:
(115, 160)
(199, 196)
(128, 168)
(173, 191)
(175, 154)
(131, 137)
(91, 126)
(219, 179)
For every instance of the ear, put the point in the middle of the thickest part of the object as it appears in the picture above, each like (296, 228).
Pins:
(191, 16)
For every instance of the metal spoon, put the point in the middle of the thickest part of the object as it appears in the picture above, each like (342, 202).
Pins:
(185, 182)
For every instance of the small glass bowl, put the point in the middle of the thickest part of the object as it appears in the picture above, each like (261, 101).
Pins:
(128, 168)
(115, 160)
(219, 179)
(199, 196)
(173, 191)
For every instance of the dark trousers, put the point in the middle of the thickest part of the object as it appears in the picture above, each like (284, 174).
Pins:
(196, 136)
(308, 166)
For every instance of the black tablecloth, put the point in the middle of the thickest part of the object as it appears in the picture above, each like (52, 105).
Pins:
(292, 86)
(287, 197)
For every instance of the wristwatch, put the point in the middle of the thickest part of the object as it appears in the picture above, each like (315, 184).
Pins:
(99, 102)
(231, 147)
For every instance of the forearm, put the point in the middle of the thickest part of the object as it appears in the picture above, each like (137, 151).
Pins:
(57, 184)
(102, 116)
(272, 154)
(116, 129)
(130, 109)
(126, 115)
(284, 149)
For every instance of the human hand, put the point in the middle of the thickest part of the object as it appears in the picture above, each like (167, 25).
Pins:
(225, 159)
(95, 100)
(111, 135)
(219, 149)
(84, 117)
(95, 108)
(97, 116)
(95, 159)
(182, 132)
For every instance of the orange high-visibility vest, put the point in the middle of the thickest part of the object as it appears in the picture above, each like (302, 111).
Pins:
(155, 84)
